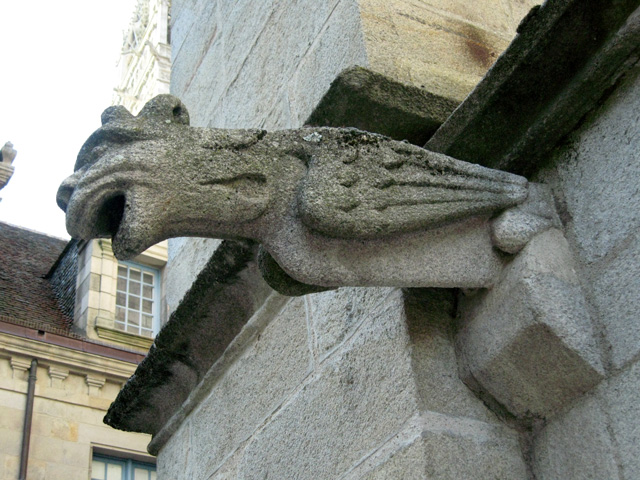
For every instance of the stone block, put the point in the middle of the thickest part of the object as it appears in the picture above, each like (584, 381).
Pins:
(603, 153)
(338, 46)
(429, 314)
(200, 24)
(615, 286)
(255, 386)
(529, 341)
(417, 44)
(272, 60)
(361, 98)
(71, 454)
(407, 463)
(336, 314)
(229, 470)
(576, 445)
(175, 458)
(472, 450)
(620, 397)
(446, 447)
(360, 396)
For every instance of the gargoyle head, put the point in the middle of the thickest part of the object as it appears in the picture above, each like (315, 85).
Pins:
(142, 179)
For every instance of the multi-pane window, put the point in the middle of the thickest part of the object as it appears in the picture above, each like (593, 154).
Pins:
(111, 468)
(136, 299)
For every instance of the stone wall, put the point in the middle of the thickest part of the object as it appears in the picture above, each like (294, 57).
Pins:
(595, 177)
(353, 383)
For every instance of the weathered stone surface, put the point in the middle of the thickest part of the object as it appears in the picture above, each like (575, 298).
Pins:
(615, 293)
(335, 315)
(576, 444)
(598, 438)
(429, 316)
(621, 400)
(369, 101)
(595, 177)
(357, 398)
(333, 207)
(446, 447)
(445, 47)
(176, 459)
(529, 342)
(252, 389)
(567, 55)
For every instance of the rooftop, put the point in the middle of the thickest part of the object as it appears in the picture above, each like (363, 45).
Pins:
(26, 296)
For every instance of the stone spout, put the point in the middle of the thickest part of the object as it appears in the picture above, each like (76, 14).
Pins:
(330, 206)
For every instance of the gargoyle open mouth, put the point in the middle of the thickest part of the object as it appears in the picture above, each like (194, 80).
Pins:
(110, 216)
(116, 218)
(93, 212)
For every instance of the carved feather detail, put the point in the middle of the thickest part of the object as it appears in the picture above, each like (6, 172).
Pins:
(366, 191)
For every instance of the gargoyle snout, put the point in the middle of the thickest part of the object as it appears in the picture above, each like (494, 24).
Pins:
(66, 190)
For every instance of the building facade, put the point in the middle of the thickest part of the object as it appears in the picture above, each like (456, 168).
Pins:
(74, 378)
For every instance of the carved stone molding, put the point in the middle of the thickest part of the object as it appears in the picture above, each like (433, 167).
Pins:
(20, 366)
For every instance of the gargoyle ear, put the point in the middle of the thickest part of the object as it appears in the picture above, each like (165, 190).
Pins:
(117, 112)
(165, 107)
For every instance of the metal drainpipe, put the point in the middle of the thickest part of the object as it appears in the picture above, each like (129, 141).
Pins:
(28, 415)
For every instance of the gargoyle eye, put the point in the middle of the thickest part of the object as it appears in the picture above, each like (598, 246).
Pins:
(165, 108)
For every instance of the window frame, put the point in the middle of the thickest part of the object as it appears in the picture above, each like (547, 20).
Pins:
(128, 465)
(155, 311)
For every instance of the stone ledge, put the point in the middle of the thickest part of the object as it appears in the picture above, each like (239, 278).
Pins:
(77, 360)
(373, 102)
(567, 55)
(105, 330)
(225, 295)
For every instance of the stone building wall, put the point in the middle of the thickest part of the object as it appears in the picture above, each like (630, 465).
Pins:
(595, 176)
(535, 377)
(353, 383)
(73, 390)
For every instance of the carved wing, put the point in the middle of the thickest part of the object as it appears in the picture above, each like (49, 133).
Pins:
(374, 186)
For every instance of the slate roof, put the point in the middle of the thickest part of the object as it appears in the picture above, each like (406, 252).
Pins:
(26, 297)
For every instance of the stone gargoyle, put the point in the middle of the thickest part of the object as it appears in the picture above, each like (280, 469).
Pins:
(330, 206)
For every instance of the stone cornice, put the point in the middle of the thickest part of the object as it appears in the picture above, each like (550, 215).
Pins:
(75, 360)
(567, 56)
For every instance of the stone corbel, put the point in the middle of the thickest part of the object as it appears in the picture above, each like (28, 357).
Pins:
(20, 367)
(57, 375)
(528, 342)
(95, 383)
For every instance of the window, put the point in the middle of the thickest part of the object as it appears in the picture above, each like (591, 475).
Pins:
(137, 299)
(111, 468)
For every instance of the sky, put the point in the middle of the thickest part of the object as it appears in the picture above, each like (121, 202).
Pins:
(59, 68)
